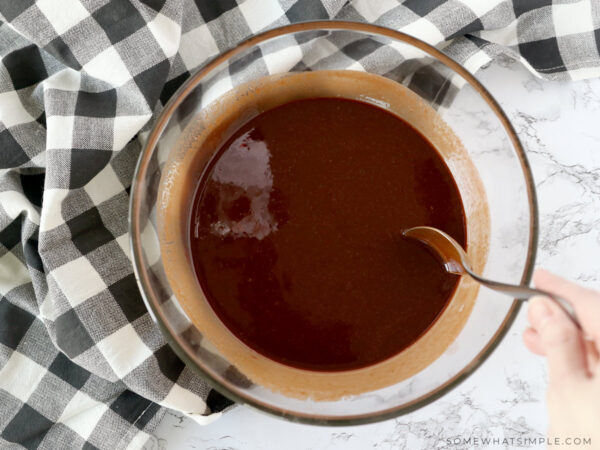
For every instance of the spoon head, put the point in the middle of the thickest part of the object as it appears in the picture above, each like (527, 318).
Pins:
(450, 252)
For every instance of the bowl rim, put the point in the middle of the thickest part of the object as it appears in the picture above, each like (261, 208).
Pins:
(145, 284)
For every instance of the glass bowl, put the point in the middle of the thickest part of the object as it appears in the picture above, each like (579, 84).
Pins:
(497, 189)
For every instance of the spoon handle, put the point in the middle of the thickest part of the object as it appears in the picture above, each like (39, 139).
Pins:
(525, 292)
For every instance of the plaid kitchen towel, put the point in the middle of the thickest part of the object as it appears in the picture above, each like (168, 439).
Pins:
(81, 363)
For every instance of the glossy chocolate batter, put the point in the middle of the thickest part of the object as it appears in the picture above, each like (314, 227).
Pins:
(296, 233)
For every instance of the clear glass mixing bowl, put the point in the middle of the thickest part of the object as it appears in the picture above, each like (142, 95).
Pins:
(459, 99)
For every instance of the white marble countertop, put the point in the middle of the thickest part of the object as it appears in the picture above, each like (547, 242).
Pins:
(559, 125)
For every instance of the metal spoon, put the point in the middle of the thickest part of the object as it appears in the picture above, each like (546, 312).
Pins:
(456, 261)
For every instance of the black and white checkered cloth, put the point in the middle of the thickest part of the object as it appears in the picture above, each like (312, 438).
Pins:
(81, 363)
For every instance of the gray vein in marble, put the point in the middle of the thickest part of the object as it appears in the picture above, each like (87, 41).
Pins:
(436, 432)
(521, 389)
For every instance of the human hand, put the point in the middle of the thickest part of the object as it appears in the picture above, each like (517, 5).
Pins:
(573, 394)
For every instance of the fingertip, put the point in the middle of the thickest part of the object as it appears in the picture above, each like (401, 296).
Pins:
(540, 309)
(540, 274)
(532, 342)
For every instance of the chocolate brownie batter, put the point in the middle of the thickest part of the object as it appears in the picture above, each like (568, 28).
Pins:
(296, 228)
